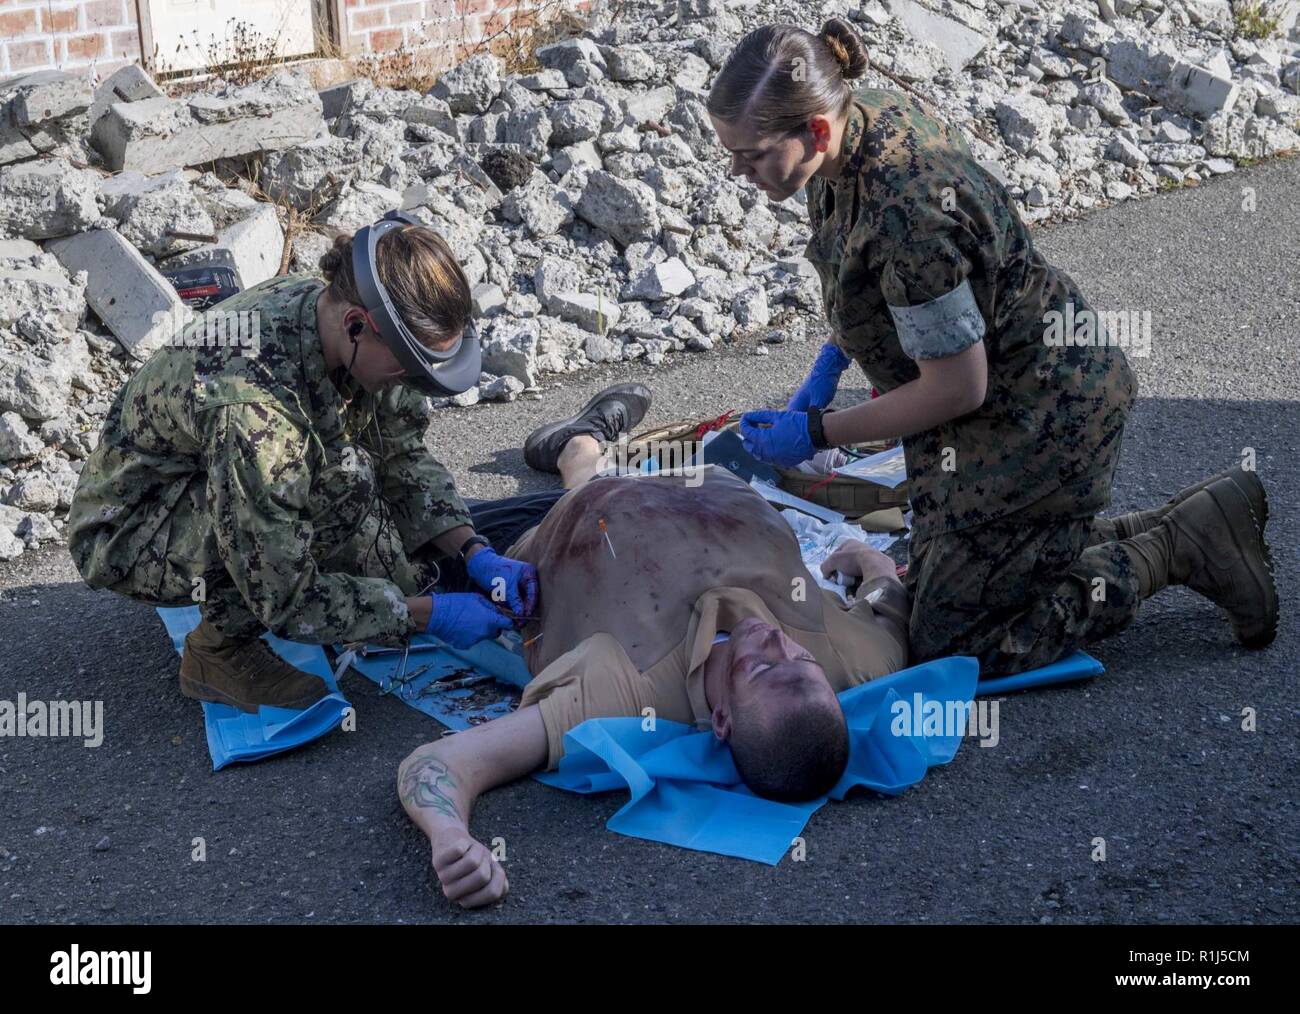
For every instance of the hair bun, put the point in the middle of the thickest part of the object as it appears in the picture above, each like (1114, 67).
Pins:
(847, 47)
(333, 258)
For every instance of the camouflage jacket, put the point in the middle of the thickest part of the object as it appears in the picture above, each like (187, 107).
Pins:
(290, 466)
(921, 253)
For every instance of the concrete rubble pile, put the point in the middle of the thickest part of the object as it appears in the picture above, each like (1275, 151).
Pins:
(587, 200)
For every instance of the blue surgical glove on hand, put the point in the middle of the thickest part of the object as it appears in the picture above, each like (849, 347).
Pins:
(784, 442)
(512, 583)
(819, 389)
(465, 618)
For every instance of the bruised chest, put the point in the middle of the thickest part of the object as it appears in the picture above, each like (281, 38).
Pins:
(664, 544)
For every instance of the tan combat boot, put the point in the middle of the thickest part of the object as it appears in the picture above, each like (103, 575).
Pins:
(1213, 542)
(1129, 525)
(243, 673)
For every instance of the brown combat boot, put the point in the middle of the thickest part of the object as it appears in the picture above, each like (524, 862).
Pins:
(243, 673)
(1129, 525)
(1213, 542)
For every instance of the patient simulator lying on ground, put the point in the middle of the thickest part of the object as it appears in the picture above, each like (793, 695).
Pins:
(680, 599)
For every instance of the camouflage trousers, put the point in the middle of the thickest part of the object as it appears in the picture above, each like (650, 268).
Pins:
(181, 565)
(1018, 593)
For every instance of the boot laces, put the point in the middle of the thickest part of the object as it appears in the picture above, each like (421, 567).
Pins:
(256, 659)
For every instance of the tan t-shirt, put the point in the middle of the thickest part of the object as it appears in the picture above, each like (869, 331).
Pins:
(629, 627)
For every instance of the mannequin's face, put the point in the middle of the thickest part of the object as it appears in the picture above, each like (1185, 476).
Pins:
(778, 166)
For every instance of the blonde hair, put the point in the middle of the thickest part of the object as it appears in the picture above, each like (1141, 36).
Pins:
(780, 75)
(425, 282)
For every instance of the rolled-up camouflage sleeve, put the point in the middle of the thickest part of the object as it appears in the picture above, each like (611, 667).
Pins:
(926, 285)
(419, 490)
(258, 484)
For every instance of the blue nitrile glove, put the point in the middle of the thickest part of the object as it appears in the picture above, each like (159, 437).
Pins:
(515, 579)
(819, 388)
(465, 618)
(785, 442)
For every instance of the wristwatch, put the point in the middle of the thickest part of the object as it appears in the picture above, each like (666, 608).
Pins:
(816, 431)
(473, 540)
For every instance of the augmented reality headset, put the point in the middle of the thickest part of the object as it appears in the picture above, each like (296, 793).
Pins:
(435, 373)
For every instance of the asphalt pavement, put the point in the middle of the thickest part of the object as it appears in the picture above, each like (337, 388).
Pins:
(1198, 816)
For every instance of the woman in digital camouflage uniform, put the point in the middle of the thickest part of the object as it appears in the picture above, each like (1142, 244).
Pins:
(280, 479)
(1011, 435)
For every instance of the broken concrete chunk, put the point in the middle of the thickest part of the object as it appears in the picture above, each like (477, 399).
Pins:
(580, 60)
(666, 278)
(11, 547)
(154, 135)
(958, 43)
(652, 106)
(692, 73)
(1026, 120)
(126, 84)
(582, 154)
(555, 275)
(29, 387)
(602, 349)
(42, 200)
(1124, 151)
(126, 292)
(432, 112)
(505, 388)
(487, 299)
(512, 351)
(528, 128)
(17, 249)
(38, 110)
(308, 173)
(546, 80)
(471, 86)
(336, 99)
(35, 529)
(1180, 155)
(360, 202)
(574, 121)
(252, 246)
(32, 99)
(1108, 100)
(918, 60)
(626, 209)
(16, 440)
(29, 285)
(1141, 65)
(1199, 91)
(33, 493)
(540, 205)
(1084, 33)
(628, 63)
(750, 308)
(160, 215)
(589, 311)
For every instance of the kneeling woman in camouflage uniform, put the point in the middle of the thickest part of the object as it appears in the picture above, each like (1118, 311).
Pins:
(1011, 430)
(280, 479)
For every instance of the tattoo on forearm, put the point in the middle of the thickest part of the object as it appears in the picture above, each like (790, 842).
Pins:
(426, 783)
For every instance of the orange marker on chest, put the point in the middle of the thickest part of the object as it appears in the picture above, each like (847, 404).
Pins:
(605, 532)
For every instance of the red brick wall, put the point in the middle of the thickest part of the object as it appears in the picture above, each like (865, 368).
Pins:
(378, 25)
(38, 34)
